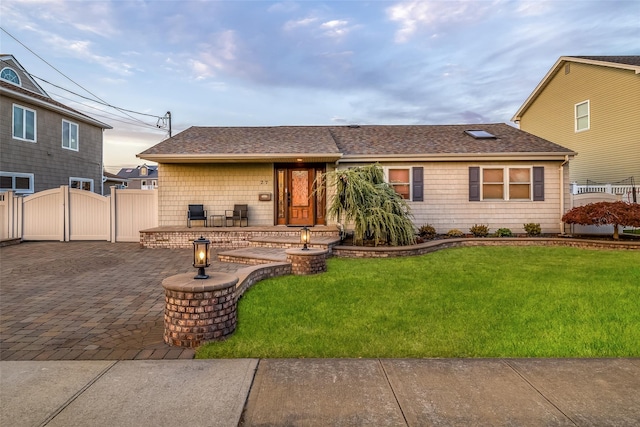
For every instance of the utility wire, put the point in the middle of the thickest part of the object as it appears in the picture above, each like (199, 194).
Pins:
(85, 105)
(65, 76)
(93, 100)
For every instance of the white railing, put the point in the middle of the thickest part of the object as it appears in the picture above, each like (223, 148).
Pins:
(625, 191)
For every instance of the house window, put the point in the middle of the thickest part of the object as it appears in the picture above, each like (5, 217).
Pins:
(400, 181)
(24, 123)
(518, 182)
(582, 116)
(81, 183)
(21, 183)
(69, 135)
(9, 75)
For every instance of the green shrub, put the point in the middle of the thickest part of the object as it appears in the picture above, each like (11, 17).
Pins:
(532, 229)
(479, 230)
(455, 233)
(427, 231)
(503, 232)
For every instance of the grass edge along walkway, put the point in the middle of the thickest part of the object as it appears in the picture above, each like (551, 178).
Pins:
(464, 302)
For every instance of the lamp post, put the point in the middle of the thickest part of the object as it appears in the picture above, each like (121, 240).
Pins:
(201, 257)
(305, 238)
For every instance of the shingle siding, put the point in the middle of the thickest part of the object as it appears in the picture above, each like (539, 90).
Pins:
(51, 164)
(217, 186)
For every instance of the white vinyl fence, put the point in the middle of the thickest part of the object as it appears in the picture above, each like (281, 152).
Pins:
(66, 214)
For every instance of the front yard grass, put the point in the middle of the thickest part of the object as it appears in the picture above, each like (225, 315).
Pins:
(466, 302)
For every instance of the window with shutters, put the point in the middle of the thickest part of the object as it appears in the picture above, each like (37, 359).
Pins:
(400, 180)
(506, 183)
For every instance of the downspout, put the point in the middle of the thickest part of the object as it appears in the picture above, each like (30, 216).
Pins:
(561, 172)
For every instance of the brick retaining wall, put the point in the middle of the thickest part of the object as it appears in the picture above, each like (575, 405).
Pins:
(436, 245)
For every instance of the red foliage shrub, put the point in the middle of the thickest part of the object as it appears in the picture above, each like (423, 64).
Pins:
(605, 213)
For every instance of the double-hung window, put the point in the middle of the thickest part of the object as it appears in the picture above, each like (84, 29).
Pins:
(506, 183)
(582, 116)
(24, 123)
(69, 135)
(408, 182)
(400, 180)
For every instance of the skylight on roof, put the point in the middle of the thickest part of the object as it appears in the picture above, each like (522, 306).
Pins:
(480, 134)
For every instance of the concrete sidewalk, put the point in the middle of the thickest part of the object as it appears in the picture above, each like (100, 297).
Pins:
(321, 392)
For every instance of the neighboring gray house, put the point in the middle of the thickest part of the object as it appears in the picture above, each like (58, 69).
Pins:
(112, 180)
(44, 144)
(143, 177)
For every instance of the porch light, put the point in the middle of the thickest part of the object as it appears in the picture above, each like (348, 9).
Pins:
(305, 238)
(201, 257)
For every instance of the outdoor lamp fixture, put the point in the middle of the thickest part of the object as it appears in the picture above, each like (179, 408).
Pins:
(201, 256)
(305, 237)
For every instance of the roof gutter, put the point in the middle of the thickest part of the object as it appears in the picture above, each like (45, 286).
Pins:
(241, 158)
(53, 107)
(455, 157)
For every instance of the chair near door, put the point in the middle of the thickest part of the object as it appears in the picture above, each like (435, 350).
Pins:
(239, 213)
(196, 213)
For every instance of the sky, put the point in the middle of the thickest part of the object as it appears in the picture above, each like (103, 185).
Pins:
(265, 63)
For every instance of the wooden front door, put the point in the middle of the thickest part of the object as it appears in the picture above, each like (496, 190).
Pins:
(297, 202)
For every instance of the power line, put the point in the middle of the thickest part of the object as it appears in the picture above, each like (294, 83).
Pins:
(151, 126)
(72, 81)
(93, 100)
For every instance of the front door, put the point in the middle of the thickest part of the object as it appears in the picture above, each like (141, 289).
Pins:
(297, 202)
(301, 202)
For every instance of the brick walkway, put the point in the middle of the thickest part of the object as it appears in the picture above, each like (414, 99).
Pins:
(88, 300)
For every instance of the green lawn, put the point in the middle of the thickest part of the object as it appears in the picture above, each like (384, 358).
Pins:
(466, 302)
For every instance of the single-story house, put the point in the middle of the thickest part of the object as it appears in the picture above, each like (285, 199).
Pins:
(452, 176)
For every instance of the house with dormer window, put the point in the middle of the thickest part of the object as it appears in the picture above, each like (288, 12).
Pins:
(44, 143)
(452, 176)
(142, 177)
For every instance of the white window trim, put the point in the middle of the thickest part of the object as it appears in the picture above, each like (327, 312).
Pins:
(505, 183)
(24, 130)
(15, 175)
(386, 170)
(81, 180)
(588, 116)
(17, 75)
(77, 135)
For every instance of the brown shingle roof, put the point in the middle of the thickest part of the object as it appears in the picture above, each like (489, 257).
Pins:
(351, 141)
(247, 140)
(438, 139)
(628, 60)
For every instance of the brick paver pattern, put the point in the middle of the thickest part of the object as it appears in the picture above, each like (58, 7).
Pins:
(88, 300)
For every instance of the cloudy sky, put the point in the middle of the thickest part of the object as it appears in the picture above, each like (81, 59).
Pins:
(263, 63)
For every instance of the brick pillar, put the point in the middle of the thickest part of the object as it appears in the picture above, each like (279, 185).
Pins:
(199, 310)
(310, 261)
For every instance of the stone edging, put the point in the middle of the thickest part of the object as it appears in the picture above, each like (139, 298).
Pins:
(436, 245)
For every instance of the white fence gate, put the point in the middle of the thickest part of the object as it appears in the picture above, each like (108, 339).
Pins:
(66, 214)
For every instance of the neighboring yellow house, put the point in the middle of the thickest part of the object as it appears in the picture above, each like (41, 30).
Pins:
(591, 105)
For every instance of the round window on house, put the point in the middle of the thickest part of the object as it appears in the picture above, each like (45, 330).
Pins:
(9, 75)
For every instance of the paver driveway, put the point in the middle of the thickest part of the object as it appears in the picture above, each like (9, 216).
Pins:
(87, 300)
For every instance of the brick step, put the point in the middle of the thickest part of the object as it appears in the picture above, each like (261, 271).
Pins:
(321, 242)
(253, 255)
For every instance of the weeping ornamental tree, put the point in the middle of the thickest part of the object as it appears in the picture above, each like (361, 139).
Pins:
(377, 212)
(605, 213)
